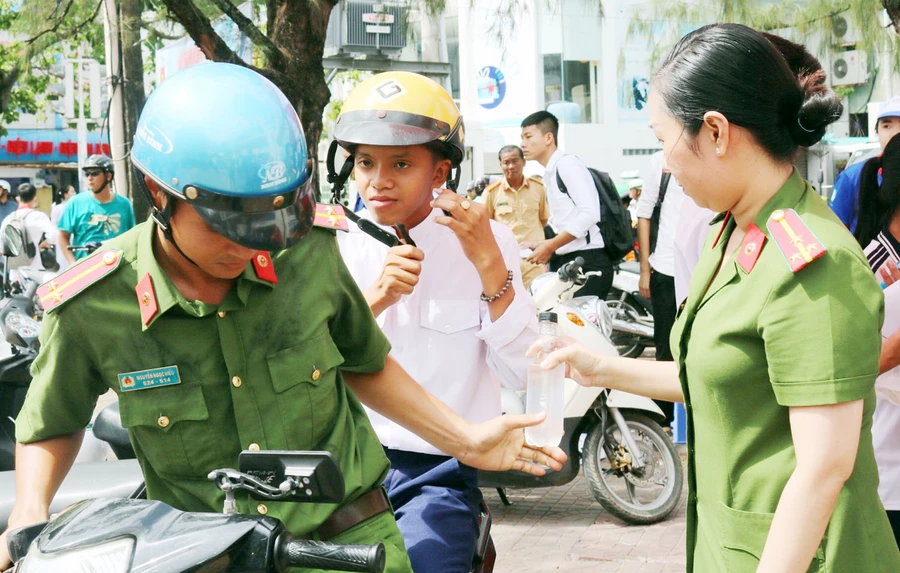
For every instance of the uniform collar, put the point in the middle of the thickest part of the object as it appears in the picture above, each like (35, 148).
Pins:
(158, 289)
(504, 185)
(786, 198)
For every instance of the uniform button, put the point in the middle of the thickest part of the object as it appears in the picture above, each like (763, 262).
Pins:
(236, 381)
(254, 447)
(316, 374)
(262, 509)
(163, 421)
(221, 314)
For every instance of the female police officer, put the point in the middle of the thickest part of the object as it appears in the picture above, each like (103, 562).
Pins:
(216, 345)
(777, 346)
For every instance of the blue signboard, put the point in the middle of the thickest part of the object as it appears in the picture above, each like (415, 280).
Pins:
(491, 86)
(29, 146)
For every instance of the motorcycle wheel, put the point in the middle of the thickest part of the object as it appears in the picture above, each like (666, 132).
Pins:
(637, 496)
(628, 345)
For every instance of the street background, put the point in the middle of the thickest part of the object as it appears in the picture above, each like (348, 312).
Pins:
(565, 529)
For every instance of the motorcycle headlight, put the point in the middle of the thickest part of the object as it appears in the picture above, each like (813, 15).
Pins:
(111, 557)
(596, 311)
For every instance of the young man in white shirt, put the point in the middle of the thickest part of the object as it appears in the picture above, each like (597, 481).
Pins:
(575, 215)
(41, 231)
(450, 300)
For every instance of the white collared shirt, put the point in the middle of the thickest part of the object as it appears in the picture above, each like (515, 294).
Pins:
(577, 213)
(442, 333)
(663, 258)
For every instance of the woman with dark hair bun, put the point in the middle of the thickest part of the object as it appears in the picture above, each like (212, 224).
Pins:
(777, 346)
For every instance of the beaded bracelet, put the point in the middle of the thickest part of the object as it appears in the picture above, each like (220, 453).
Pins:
(509, 279)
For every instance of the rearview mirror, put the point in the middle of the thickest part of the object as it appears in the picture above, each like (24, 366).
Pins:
(317, 474)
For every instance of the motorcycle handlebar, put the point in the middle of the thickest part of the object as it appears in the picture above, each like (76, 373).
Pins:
(330, 556)
(572, 269)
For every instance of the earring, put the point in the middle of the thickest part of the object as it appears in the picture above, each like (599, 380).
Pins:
(718, 151)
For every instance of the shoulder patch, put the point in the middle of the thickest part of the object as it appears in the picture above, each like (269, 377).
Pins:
(59, 290)
(492, 186)
(796, 241)
(536, 180)
(331, 217)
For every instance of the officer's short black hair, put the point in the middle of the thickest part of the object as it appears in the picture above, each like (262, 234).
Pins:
(545, 121)
(26, 192)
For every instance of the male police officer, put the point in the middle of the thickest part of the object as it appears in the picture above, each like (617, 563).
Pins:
(215, 345)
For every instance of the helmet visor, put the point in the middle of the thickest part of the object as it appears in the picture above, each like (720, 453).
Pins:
(266, 231)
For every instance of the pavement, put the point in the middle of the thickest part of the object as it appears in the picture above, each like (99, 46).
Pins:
(564, 529)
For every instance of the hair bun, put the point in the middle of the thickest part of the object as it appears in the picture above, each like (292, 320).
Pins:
(820, 108)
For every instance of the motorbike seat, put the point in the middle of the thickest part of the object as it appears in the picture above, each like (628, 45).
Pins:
(84, 481)
(108, 427)
(631, 267)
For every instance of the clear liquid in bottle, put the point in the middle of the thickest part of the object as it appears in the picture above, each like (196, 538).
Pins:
(546, 389)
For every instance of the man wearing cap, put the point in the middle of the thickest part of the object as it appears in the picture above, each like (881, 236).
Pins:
(845, 199)
(7, 205)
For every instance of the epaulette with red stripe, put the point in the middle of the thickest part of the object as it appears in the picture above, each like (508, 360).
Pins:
(62, 288)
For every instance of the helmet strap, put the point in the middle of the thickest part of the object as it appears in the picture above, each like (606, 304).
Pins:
(337, 180)
(105, 184)
(162, 218)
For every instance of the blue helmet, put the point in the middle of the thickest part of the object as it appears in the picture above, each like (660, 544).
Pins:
(225, 139)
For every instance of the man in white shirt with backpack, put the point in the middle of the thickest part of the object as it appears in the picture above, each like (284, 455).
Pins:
(574, 213)
(38, 229)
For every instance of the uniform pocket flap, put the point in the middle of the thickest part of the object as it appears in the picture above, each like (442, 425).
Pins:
(744, 530)
(450, 316)
(310, 361)
(163, 407)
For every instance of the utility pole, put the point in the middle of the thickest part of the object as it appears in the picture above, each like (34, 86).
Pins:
(125, 72)
(116, 116)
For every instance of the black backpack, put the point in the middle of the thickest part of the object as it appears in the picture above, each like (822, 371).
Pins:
(17, 232)
(615, 222)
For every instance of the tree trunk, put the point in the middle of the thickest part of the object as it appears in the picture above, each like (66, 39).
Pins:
(298, 29)
(133, 86)
(893, 11)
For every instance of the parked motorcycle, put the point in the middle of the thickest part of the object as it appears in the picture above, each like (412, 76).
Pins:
(631, 464)
(632, 314)
(130, 535)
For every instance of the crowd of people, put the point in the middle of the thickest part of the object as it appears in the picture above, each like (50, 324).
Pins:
(391, 357)
(74, 219)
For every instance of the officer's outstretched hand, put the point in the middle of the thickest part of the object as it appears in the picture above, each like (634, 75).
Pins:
(499, 445)
(399, 276)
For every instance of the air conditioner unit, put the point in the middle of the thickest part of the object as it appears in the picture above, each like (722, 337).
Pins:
(843, 32)
(849, 68)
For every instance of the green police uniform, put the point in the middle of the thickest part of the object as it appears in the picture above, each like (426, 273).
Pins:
(757, 339)
(260, 370)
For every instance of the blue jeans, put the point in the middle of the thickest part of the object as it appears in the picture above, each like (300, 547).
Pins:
(436, 501)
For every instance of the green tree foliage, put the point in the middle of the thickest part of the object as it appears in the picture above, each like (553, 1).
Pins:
(809, 20)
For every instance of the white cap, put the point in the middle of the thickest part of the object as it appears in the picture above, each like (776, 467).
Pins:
(5, 184)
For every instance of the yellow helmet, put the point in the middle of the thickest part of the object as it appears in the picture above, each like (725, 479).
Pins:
(401, 108)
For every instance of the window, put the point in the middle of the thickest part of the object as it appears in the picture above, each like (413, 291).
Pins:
(567, 89)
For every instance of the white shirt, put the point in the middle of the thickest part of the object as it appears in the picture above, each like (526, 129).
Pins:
(442, 333)
(663, 258)
(690, 236)
(38, 225)
(577, 213)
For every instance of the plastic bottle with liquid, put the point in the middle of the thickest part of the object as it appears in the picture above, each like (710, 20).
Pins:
(546, 388)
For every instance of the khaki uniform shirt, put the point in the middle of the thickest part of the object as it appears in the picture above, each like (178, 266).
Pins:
(261, 369)
(524, 210)
(751, 345)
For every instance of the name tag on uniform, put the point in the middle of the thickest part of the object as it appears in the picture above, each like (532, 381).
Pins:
(153, 378)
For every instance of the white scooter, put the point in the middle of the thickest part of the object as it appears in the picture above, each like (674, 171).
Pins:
(632, 314)
(630, 463)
